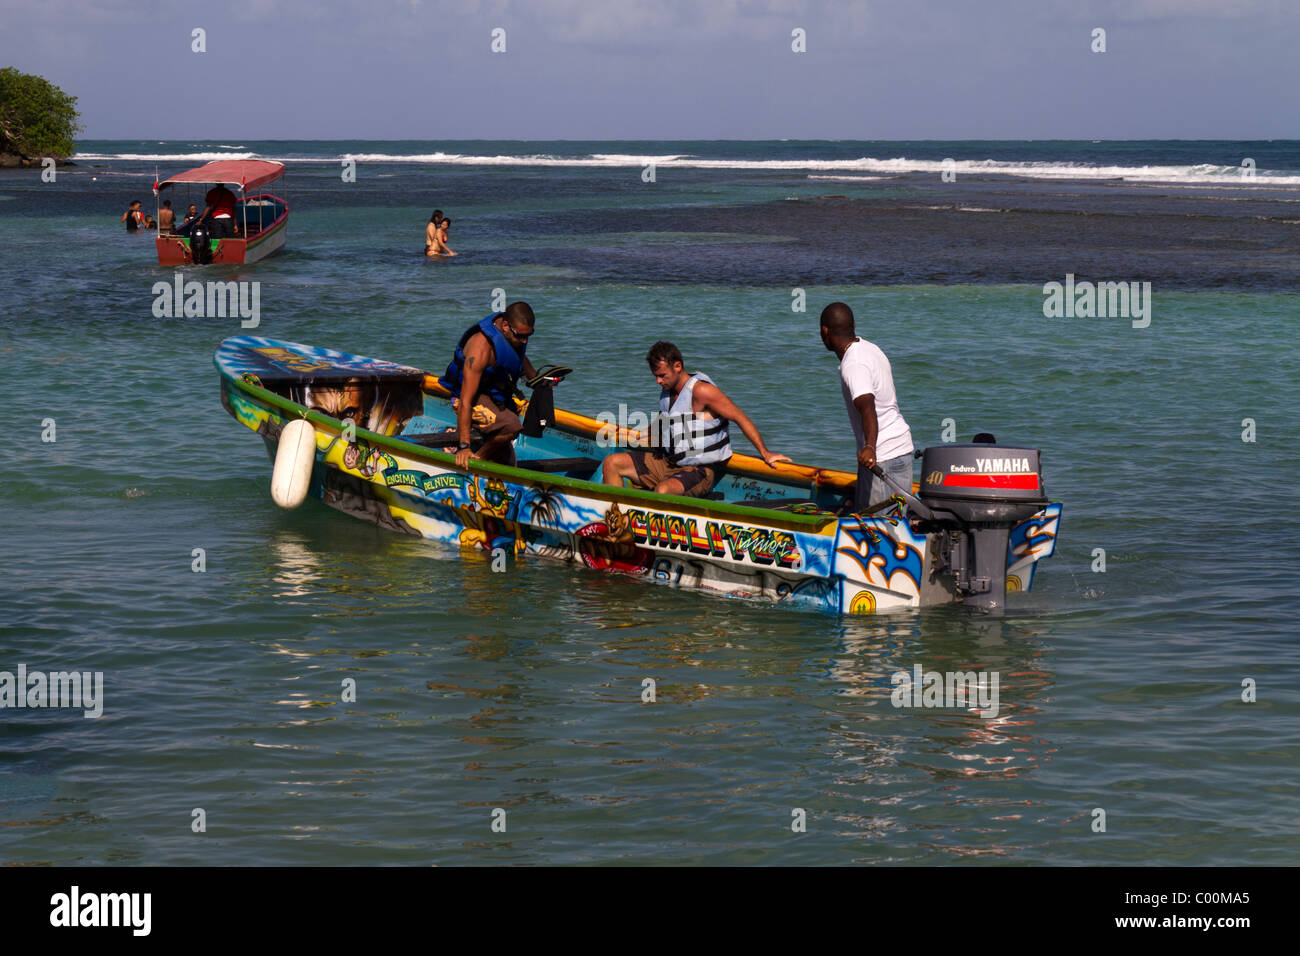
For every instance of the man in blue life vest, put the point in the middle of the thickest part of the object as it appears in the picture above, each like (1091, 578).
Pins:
(488, 363)
(692, 444)
(867, 382)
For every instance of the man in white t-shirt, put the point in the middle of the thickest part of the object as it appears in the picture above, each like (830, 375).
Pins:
(868, 386)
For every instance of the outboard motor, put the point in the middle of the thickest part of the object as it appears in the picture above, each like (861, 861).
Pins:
(200, 246)
(978, 493)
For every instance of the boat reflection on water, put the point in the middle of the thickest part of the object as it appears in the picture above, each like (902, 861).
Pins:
(296, 569)
(923, 752)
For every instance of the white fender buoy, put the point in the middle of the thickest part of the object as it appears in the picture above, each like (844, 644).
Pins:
(293, 462)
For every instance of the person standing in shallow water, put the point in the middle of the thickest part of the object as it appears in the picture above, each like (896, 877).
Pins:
(133, 217)
(867, 382)
(442, 237)
(432, 239)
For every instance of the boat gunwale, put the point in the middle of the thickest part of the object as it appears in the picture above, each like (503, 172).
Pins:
(279, 223)
(584, 426)
(785, 521)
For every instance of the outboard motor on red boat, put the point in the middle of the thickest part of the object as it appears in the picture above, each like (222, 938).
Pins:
(975, 494)
(200, 246)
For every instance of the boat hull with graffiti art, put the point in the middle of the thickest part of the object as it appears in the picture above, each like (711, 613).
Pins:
(383, 452)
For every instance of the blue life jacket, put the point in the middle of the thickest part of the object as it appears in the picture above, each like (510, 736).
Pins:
(499, 378)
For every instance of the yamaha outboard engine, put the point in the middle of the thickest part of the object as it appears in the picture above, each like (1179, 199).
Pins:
(977, 493)
(200, 247)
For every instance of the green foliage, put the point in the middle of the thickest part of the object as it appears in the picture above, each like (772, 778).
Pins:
(36, 117)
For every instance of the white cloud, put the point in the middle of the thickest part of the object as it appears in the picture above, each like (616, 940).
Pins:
(677, 23)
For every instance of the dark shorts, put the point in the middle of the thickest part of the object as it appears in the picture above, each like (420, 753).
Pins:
(697, 480)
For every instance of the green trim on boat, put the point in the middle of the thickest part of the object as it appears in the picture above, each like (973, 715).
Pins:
(712, 509)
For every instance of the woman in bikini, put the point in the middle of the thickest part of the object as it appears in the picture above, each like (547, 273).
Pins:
(432, 241)
(442, 237)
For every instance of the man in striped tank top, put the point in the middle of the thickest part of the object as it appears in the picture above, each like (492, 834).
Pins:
(691, 441)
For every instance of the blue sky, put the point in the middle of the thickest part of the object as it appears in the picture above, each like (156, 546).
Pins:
(667, 69)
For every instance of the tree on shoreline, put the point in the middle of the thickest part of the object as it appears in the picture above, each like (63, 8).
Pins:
(36, 117)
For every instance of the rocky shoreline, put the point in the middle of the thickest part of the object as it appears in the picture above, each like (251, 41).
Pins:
(18, 161)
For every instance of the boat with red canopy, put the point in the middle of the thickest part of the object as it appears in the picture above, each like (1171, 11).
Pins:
(259, 221)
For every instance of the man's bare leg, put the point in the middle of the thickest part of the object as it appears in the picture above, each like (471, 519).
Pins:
(499, 449)
(616, 467)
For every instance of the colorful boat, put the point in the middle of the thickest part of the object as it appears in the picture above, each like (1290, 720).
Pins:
(367, 437)
(261, 218)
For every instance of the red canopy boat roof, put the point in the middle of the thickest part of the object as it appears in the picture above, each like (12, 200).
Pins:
(243, 173)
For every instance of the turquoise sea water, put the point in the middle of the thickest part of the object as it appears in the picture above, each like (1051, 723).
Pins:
(1119, 690)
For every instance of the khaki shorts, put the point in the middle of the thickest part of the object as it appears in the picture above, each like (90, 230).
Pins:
(652, 468)
(490, 419)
